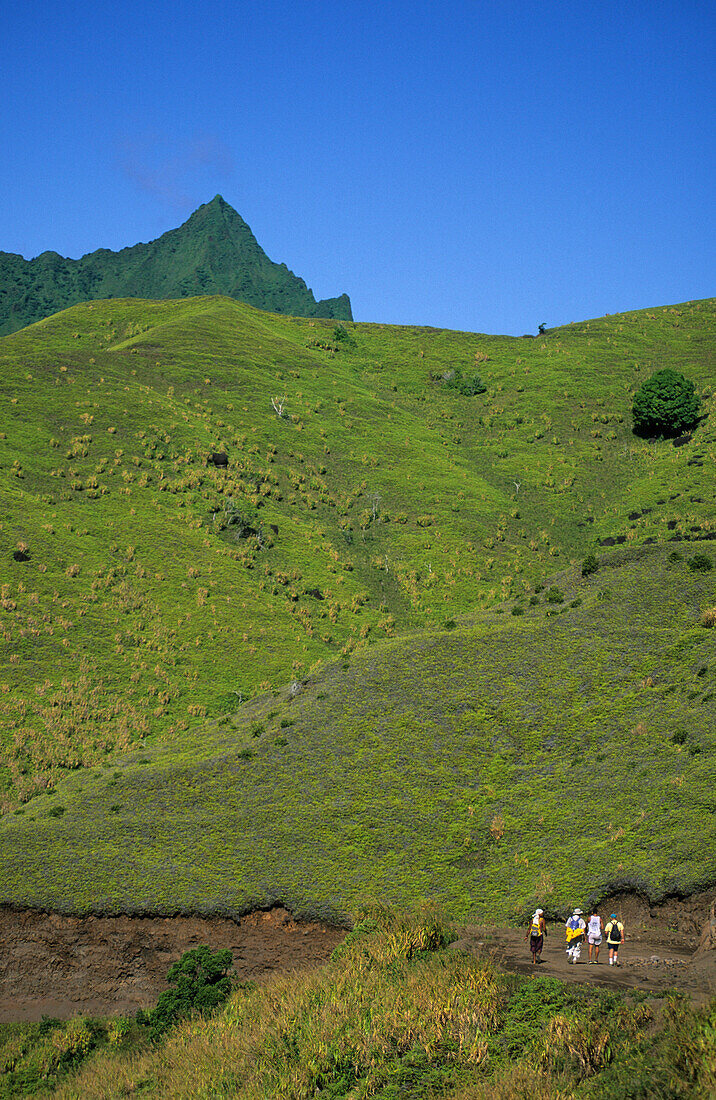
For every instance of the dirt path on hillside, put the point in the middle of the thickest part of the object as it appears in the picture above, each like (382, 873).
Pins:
(62, 966)
(669, 946)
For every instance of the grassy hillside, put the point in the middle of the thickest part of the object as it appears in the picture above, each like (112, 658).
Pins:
(544, 758)
(384, 504)
(213, 252)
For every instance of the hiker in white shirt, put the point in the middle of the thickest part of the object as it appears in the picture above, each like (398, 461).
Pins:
(595, 928)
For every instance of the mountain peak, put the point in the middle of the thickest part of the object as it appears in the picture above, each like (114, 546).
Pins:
(213, 252)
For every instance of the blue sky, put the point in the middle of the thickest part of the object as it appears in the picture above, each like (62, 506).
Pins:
(474, 165)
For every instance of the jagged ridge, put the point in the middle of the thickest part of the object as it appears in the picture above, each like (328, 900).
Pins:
(213, 252)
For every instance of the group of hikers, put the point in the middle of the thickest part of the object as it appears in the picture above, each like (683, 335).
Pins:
(594, 931)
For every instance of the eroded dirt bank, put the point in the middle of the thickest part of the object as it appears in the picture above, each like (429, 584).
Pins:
(57, 965)
(61, 966)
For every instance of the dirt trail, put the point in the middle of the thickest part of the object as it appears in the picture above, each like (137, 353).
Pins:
(61, 966)
(672, 945)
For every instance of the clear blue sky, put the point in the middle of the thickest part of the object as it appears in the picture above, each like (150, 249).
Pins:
(476, 165)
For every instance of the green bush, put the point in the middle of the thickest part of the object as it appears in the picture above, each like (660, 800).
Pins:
(554, 595)
(468, 387)
(200, 984)
(241, 516)
(343, 336)
(665, 404)
(700, 563)
(590, 564)
(471, 387)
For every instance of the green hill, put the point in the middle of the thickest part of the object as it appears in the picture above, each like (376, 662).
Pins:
(361, 658)
(214, 252)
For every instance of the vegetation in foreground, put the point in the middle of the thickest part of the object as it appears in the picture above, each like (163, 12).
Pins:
(394, 1014)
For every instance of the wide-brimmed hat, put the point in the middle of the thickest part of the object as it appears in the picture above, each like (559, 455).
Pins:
(577, 913)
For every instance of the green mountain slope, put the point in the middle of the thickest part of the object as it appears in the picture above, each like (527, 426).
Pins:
(504, 764)
(398, 546)
(214, 252)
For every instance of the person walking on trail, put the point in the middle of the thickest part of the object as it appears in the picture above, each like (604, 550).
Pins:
(595, 928)
(615, 938)
(536, 932)
(575, 928)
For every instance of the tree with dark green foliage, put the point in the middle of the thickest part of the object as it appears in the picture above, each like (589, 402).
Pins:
(665, 405)
(200, 983)
(590, 564)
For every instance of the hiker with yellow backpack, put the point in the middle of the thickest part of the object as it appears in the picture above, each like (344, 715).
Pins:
(536, 932)
(575, 929)
(615, 938)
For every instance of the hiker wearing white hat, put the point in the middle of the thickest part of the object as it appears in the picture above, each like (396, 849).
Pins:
(536, 932)
(575, 928)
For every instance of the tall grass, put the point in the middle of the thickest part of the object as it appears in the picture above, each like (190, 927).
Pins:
(394, 1014)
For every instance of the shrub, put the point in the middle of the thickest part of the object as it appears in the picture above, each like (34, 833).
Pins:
(709, 617)
(700, 563)
(679, 737)
(665, 404)
(468, 387)
(343, 336)
(242, 517)
(471, 387)
(200, 983)
(590, 564)
(554, 595)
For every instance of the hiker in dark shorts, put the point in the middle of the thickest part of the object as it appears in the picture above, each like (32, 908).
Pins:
(536, 933)
(615, 938)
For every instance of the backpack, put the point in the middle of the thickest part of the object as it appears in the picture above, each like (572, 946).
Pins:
(614, 932)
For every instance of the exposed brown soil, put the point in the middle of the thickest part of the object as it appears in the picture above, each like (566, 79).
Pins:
(56, 965)
(61, 966)
(667, 946)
